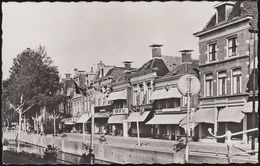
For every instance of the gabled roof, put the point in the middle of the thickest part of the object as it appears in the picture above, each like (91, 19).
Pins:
(113, 73)
(241, 9)
(184, 68)
(154, 65)
(171, 61)
(66, 85)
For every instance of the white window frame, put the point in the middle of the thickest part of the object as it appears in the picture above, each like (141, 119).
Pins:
(228, 46)
(219, 92)
(205, 85)
(210, 52)
(233, 83)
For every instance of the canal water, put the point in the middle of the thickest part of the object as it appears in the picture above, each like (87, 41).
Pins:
(63, 157)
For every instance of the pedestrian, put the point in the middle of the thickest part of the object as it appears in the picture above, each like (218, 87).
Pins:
(113, 130)
(83, 158)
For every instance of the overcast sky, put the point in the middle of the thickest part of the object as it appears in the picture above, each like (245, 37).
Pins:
(79, 35)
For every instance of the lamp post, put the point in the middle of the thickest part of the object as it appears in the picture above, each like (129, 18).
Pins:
(253, 31)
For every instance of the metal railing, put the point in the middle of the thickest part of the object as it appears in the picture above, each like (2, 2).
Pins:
(228, 136)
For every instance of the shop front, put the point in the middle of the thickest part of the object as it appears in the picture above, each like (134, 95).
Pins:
(141, 119)
(166, 126)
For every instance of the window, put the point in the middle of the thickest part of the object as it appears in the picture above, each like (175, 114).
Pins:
(236, 81)
(232, 46)
(222, 80)
(209, 84)
(212, 52)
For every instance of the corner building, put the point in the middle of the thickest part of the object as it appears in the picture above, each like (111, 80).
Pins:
(226, 54)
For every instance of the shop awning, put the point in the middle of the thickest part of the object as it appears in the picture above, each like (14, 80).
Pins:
(102, 114)
(166, 119)
(205, 115)
(231, 114)
(83, 119)
(248, 107)
(164, 94)
(115, 119)
(135, 116)
(119, 95)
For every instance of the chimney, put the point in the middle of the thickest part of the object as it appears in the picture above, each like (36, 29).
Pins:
(100, 65)
(186, 55)
(67, 76)
(91, 70)
(127, 65)
(156, 50)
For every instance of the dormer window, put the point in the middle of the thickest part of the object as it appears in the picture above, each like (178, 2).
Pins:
(223, 10)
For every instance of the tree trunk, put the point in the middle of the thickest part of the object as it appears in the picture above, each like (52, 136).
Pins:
(54, 122)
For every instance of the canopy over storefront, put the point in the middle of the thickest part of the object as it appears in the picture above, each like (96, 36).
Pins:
(231, 114)
(205, 115)
(119, 95)
(166, 119)
(83, 119)
(136, 116)
(116, 119)
(248, 107)
(164, 94)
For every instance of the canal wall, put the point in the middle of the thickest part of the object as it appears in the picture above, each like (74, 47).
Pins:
(105, 152)
(125, 154)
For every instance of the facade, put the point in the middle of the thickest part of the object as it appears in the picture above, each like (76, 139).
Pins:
(225, 57)
(105, 77)
(142, 87)
(169, 105)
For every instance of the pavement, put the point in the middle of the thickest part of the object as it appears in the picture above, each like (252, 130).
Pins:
(163, 145)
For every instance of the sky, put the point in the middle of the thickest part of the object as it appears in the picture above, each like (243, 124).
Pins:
(79, 35)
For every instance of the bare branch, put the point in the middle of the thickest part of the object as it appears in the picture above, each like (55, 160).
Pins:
(27, 109)
(12, 106)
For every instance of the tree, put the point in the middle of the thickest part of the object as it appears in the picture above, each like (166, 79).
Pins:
(34, 76)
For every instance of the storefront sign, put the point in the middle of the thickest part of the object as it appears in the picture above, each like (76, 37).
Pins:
(120, 111)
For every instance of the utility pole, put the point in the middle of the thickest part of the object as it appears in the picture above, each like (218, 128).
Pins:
(188, 121)
(253, 31)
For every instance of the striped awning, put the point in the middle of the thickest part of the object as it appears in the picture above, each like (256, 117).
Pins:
(136, 116)
(116, 119)
(166, 119)
(119, 95)
(83, 119)
(205, 115)
(102, 114)
(231, 114)
(248, 107)
(164, 94)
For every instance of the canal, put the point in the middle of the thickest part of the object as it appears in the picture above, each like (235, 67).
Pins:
(33, 154)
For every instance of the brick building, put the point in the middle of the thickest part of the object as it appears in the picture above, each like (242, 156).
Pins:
(225, 57)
